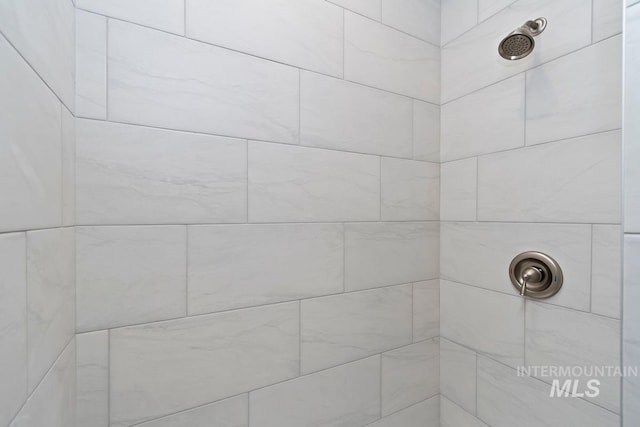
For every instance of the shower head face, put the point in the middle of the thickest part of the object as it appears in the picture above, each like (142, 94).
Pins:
(516, 45)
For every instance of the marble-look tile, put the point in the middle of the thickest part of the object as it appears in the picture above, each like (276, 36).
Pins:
(288, 183)
(557, 336)
(426, 413)
(507, 400)
(486, 121)
(563, 104)
(631, 386)
(631, 122)
(458, 374)
(13, 324)
(606, 269)
(304, 33)
(631, 2)
(92, 402)
(342, 328)
(458, 16)
(53, 403)
(166, 15)
(410, 190)
(43, 31)
(458, 190)
(242, 265)
(426, 310)
(50, 297)
(420, 18)
(137, 175)
(452, 415)
(232, 412)
(488, 8)
(480, 253)
(488, 322)
(580, 183)
(570, 29)
(68, 168)
(369, 8)
(127, 275)
(162, 80)
(382, 254)
(91, 65)
(346, 396)
(29, 154)
(426, 131)
(160, 368)
(630, 328)
(350, 117)
(382, 57)
(410, 375)
(607, 18)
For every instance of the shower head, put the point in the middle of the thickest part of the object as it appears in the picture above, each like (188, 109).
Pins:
(519, 43)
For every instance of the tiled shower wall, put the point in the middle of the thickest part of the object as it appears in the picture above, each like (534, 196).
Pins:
(257, 207)
(531, 161)
(37, 293)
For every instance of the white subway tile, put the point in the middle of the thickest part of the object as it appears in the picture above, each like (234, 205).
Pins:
(426, 131)
(451, 415)
(458, 16)
(631, 122)
(426, 413)
(488, 8)
(607, 18)
(458, 374)
(68, 168)
(232, 412)
(458, 190)
(420, 18)
(92, 401)
(370, 8)
(410, 190)
(606, 283)
(91, 65)
(426, 310)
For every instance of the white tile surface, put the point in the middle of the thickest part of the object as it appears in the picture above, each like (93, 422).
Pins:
(127, 275)
(370, 8)
(505, 400)
(379, 56)
(50, 297)
(451, 415)
(480, 254)
(410, 375)
(166, 15)
(351, 117)
(488, 8)
(92, 381)
(13, 324)
(631, 122)
(410, 190)
(232, 412)
(68, 168)
(562, 103)
(426, 310)
(420, 18)
(458, 16)
(426, 131)
(458, 190)
(288, 183)
(244, 265)
(488, 322)
(162, 80)
(630, 322)
(91, 65)
(43, 31)
(381, 254)
(342, 328)
(458, 374)
(346, 396)
(606, 268)
(304, 33)
(137, 175)
(426, 413)
(581, 182)
(486, 121)
(607, 18)
(164, 367)
(557, 336)
(29, 155)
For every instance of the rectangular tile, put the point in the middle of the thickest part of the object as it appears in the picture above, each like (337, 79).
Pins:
(426, 131)
(341, 328)
(488, 8)
(488, 322)
(607, 18)
(426, 413)
(458, 190)
(137, 175)
(162, 80)
(451, 415)
(606, 268)
(29, 155)
(630, 328)
(581, 182)
(631, 123)
(410, 190)
(91, 65)
(68, 168)
(128, 275)
(161, 368)
(92, 401)
(291, 184)
(242, 265)
(486, 121)
(458, 16)
(351, 117)
(410, 375)
(379, 56)
(563, 104)
(346, 396)
(426, 310)
(420, 18)
(304, 33)
(382, 254)
(458, 375)
(370, 8)
(232, 412)
(480, 253)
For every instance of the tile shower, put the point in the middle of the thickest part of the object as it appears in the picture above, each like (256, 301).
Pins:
(290, 213)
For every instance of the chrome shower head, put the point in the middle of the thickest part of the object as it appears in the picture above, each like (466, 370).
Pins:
(519, 43)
